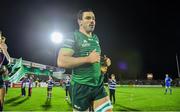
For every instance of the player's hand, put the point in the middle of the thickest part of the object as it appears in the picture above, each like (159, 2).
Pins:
(94, 57)
(3, 46)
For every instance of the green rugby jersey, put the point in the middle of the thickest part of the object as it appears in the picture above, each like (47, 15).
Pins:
(88, 74)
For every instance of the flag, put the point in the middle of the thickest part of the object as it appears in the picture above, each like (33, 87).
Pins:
(18, 75)
(18, 71)
(18, 64)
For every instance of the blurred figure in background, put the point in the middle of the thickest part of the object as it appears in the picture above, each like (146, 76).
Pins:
(168, 81)
(23, 87)
(4, 55)
(37, 82)
(3, 73)
(30, 80)
(50, 83)
(6, 82)
(112, 88)
(67, 85)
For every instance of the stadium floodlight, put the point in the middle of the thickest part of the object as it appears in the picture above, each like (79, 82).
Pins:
(56, 37)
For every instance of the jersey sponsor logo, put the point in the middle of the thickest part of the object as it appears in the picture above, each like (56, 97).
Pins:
(85, 43)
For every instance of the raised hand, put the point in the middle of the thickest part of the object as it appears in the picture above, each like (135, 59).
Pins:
(3, 46)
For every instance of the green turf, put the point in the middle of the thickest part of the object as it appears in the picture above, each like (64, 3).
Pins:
(127, 99)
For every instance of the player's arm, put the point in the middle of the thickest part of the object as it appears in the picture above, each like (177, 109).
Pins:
(66, 59)
(3, 47)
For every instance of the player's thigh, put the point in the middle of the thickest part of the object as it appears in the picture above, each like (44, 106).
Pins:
(80, 97)
(102, 105)
(2, 93)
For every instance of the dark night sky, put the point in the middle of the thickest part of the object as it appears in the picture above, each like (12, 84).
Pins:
(138, 36)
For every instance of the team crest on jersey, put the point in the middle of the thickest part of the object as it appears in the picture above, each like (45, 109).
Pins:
(85, 43)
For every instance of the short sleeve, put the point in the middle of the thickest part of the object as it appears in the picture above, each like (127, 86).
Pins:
(69, 41)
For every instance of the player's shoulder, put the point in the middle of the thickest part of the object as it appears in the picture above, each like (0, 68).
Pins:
(69, 40)
(95, 36)
(69, 35)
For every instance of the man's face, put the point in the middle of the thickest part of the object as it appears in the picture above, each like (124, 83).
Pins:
(113, 77)
(88, 21)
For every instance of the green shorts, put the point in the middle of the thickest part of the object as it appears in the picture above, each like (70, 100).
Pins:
(82, 96)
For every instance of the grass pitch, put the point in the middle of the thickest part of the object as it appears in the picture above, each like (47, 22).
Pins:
(127, 99)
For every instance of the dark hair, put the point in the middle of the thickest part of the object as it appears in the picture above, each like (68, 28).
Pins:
(80, 13)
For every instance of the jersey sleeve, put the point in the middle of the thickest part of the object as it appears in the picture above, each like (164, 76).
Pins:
(69, 42)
